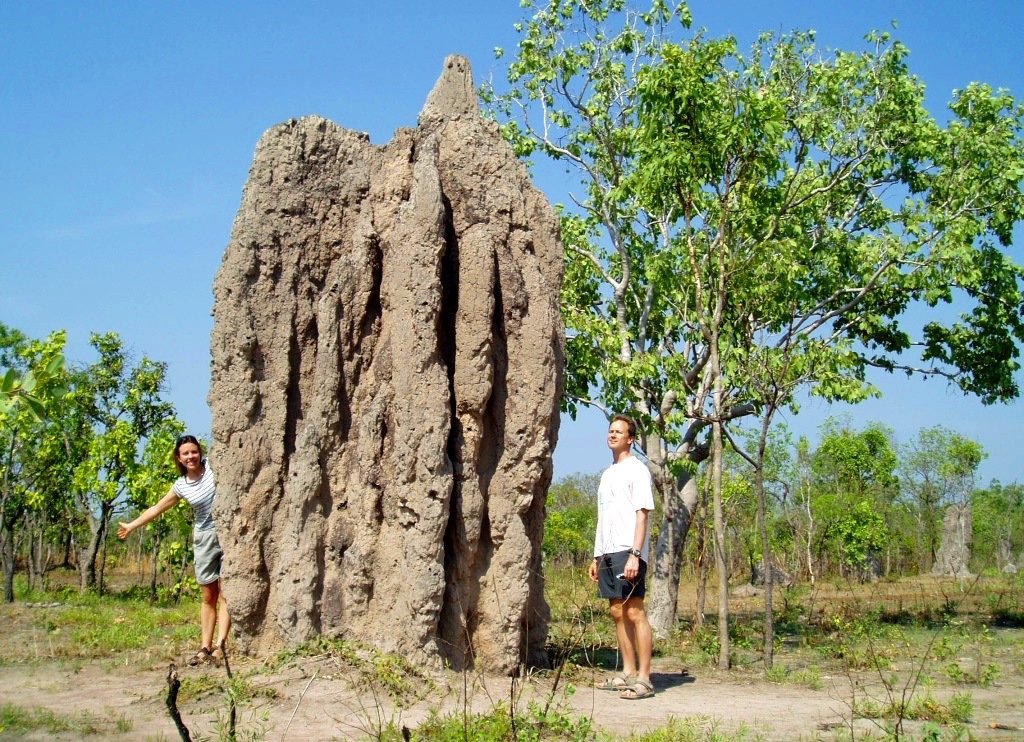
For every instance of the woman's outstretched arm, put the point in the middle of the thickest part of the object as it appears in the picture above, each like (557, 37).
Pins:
(150, 514)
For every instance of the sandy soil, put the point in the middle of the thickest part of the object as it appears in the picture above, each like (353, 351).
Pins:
(124, 696)
(314, 700)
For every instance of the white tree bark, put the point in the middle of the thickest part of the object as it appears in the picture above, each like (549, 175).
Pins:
(679, 504)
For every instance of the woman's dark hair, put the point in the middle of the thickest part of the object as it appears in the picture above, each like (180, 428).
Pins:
(182, 440)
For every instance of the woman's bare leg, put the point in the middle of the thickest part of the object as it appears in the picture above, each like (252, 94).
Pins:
(208, 612)
(223, 620)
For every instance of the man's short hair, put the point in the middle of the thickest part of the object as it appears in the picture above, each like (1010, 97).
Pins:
(630, 423)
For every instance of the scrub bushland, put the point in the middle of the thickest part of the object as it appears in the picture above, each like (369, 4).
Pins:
(907, 657)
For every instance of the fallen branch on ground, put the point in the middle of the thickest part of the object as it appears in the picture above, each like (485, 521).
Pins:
(173, 684)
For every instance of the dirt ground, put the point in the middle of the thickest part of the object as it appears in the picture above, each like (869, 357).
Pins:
(123, 696)
(311, 699)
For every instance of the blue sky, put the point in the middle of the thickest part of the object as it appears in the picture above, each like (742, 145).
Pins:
(127, 131)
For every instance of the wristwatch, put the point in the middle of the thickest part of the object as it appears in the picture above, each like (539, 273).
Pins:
(635, 552)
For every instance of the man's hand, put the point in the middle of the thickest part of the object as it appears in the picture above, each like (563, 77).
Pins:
(632, 570)
(593, 570)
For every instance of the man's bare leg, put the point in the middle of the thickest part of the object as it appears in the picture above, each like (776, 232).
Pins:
(635, 616)
(627, 641)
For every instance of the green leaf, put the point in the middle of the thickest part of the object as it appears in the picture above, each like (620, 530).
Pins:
(34, 406)
(9, 381)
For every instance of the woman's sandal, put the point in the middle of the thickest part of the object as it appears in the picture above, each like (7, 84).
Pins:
(637, 690)
(217, 655)
(616, 682)
(202, 657)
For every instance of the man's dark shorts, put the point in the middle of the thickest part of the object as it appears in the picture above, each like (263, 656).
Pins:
(610, 586)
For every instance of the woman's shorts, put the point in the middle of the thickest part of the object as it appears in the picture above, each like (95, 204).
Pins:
(611, 586)
(208, 556)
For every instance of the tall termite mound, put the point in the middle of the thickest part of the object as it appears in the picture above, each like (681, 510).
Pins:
(387, 360)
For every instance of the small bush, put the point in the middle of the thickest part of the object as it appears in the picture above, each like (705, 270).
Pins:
(926, 708)
(981, 675)
(809, 677)
(961, 707)
(500, 724)
(705, 640)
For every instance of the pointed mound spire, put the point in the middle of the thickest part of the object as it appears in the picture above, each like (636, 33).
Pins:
(453, 95)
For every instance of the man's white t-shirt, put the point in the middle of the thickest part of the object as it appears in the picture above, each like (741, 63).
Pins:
(625, 488)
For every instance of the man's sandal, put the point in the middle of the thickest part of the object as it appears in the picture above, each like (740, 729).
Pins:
(639, 689)
(616, 682)
(202, 657)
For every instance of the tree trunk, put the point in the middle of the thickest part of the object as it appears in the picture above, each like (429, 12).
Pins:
(766, 558)
(721, 562)
(140, 574)
(68, 548)
(702, 557)
(87, 562)
(153, 571)
(181, 576)
(101, 586)
(7, 555)
(38, 551)
(810, 540)
(45, 552)
(679, 499)
(87, 559)
(33, 558)
(6, 528)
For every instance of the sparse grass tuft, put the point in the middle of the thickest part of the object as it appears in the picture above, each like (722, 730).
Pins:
(499, 724)
(201, 685)
(396, 676)
(808, 677)
(689, 729)
(196, 686)
(18, 720)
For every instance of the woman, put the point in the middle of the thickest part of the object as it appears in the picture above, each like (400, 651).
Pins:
(196, 487)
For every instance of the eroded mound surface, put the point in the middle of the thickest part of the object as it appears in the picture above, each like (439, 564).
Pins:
(387, 356)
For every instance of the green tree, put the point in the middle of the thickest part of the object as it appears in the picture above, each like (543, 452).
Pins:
(771, 467)
(998, 512)
(32, 378)
(49, 462)
(124, 408)
(787, 197)
(800, 512)
(937, 469)
(150, 482)
(571, 517)
(856, 490)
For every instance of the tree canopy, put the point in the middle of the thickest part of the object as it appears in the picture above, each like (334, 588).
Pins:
(78, 444)
(785, 210)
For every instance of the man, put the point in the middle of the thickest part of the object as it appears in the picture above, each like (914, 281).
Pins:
(621, 553)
